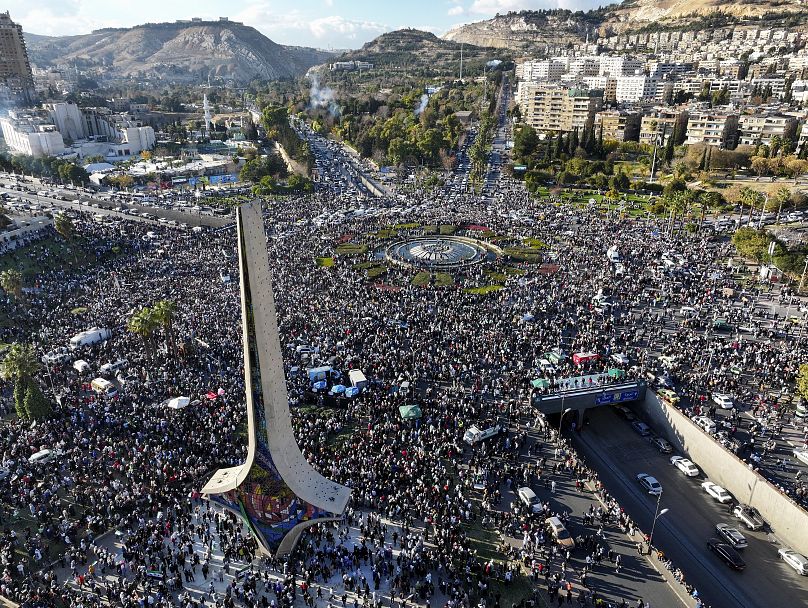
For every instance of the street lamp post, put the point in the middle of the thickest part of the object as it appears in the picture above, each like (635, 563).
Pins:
(561, 419)
(657, 515)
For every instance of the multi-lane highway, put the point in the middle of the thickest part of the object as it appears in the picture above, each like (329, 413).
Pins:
(618, 453)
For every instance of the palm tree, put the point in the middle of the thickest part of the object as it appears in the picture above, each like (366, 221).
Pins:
(64, 226)
(19, 367)
(11, 282)
(144, 324)
(164, 312)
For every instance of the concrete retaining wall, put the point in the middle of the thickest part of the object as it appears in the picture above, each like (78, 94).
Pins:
(787, 519)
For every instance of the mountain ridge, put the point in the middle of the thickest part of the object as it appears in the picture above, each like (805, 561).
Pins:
(525, 31)
(177, 51)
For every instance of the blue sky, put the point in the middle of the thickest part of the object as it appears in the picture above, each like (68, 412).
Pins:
(320, 23)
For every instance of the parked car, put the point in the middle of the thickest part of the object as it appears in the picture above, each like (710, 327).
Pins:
(707, 425)
(560, 532)
(732, 536)
(668, 395)
(801, 455)
(685, 466)
(717, 492)
(624, 412)
(723, 401)
(662, 445)
(796, 560)
(749, 516)
(642, 428)
(726, 554)
(650, 484)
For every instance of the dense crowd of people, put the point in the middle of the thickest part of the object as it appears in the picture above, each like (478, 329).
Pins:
(130, 464)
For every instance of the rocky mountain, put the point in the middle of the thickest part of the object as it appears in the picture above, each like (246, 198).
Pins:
(524, 31)
(632, 14)
(423, 52)
(180, 51)
(528, 31)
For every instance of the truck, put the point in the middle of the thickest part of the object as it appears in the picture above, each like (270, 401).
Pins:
(357, 379)
(475, 435)
(91, 336)
(749, 516)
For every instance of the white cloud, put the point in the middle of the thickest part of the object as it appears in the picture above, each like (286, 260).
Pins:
(455, 10)
(325, 26)
(296, 27)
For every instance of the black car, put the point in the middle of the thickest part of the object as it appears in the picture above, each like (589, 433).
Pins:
(726, 553)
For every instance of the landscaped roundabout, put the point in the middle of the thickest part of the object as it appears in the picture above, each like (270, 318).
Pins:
(437, 252)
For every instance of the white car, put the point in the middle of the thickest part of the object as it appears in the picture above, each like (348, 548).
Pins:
(723, 401)
(801, 455)
(796, 560)
(707, 425)
(717, 492)
(685, 466)
(650, 484)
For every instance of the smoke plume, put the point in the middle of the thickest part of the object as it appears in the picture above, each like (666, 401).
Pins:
(322, 97)
(422, 104)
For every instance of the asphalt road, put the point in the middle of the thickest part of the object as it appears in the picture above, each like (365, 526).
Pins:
(636, 578)
(618, 454)
(105, 208)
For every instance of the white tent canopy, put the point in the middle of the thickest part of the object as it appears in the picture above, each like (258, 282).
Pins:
(178, 403)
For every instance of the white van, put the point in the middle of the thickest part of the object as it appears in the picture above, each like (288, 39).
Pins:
(529, 499)
(81, 366)
(357, 379)
(91, 336)
(42, 457)
(104, 387)
(109, 368)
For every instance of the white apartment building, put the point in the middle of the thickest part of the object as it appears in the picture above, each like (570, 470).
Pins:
(549, 70)
(31, 135)
(757, 129)
(777, 84)
(799, 91)
(551, 107)
(713, 128)
(620, 65)
(632, 88)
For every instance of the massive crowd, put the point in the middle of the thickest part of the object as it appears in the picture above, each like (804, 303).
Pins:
(130, 464)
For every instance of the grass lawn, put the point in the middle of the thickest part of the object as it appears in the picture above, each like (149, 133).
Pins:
(422, 279)
(350, 249)
(535, 243)
(431, 229)
(496, 277)
(514, 272)
(79, 311)
(443, 279)
(377, 271)
(386, 233)
(439, 279)
(481, 291)
(32, 260)
(447, 229)
(324, 262)
(524, 254)
(408, 226)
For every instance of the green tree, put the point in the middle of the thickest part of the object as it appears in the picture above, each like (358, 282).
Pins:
(35, 404)
(144, 324)
(802, 381)
(525, 142)
(164, 313)
(265, 186)
(19, 367)
(64, 226)
(11, 282)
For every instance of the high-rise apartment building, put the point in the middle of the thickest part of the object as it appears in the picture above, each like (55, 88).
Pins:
(15, 69)
(548, 107)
